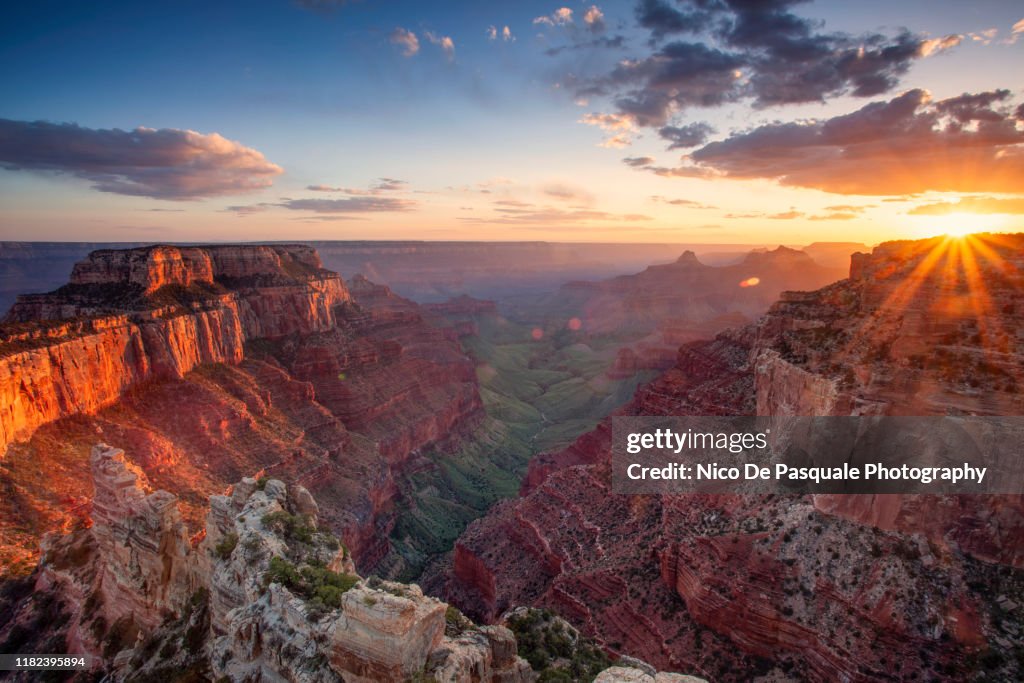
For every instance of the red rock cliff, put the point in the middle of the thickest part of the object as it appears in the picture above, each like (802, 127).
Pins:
(78, 349)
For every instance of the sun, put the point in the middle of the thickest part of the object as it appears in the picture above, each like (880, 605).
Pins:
(960, 224)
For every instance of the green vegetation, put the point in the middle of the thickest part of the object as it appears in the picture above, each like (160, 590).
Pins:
(226, 546)
(538, 395)
(554, 650)
(320, 587)
(292, 527)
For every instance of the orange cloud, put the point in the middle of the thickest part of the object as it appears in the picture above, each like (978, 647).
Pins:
(1013, 205)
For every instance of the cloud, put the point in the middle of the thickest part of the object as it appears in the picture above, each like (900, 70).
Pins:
(984, 37)
(687, 136)
(505, 33)
(834, 217)
(380, 185)
(349, 205)
(906, 145)
(515, 212)
(937, 45)
(848, 208)
(163, 164)
(250, 209)
(568, 193)
(783, 216)
(1015, 33)
(619, 125)
(689, 203)
(593, 19)
(600, 42)
(638, 162)
(407, 40)
(445, 43)
(560, 17)
(1014, 205)
(724, 51)
(661, 19)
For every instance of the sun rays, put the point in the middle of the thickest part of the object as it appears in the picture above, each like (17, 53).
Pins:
(951, 284)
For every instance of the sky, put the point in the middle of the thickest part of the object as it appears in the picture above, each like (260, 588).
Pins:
(693, 121)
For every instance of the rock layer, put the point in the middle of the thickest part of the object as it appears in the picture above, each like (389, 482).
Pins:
(128, 317)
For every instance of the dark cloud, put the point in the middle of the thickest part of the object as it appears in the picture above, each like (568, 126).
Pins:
(380, 185)
(724, 51)
(164, 164)
(638, 162)
(349, 205)
(662, 19)
(678, 76)
(977, 107)
(904, 146)
(601, 42)
(684, 137)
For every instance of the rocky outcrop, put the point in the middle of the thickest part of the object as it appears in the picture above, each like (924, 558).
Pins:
(266, 595)
(142, 543)
(628, 674)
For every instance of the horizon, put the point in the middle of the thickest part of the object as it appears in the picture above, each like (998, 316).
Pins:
(588, 123)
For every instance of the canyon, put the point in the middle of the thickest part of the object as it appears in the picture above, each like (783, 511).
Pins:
(225, 371)
(823, 588)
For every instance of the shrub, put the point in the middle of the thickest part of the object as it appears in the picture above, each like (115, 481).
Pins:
(292, 527)
(226, 546)
(319, 586)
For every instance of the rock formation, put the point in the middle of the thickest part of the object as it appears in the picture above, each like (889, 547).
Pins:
(266, 595)
(823, 587)
(131, 316)
(214, 363)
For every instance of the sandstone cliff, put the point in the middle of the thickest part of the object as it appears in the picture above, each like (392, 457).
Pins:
(131, 316)
(821, 588)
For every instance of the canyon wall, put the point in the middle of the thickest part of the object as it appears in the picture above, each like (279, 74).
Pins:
(813, 587)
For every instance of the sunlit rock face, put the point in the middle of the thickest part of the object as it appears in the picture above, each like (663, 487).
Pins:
(131, 316)
(214, 363)
(820, 588)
